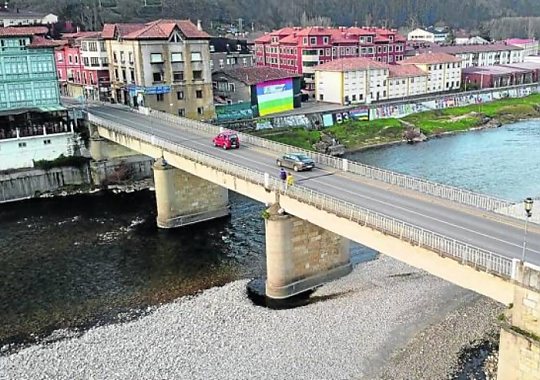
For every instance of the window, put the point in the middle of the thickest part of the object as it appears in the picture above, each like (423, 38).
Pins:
(116, 74)
(70, 60)
(122, 57)
(198, 94)
(177, 57)
(132, 75)
(313, 40)
(196, 56)
(180, 95)
(124, 76)
(115, 59)
(160, 97)
(157, 77)
(59, 74)
(156, 58)
(94, 61)
(46, 142)
(221, 63)
(200, 110)
(22, 145)
(178, 76)
(197, 74)
(86, 61)
(305, 41)
(76, 59)
(232, 87)
(181, 112)
(130, 57)
(325, 40)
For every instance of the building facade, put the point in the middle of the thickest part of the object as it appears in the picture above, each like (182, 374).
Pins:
(16, 17)
(431, 34)
(164, 64)
(228, 53)
(95, 60)
(360, 80)
(33, 124)
(478, 55)
(299, 50)
(529, 46)
(501, 75)
(444, 70)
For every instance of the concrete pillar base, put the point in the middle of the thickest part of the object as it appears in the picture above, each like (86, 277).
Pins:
(186, 220)
(183, 198)
(300, 255)
(308, 283)
(97, 148)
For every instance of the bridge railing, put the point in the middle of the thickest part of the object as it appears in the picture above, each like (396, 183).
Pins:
(448, 192)
(445, 246)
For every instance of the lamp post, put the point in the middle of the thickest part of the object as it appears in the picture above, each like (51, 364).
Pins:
(528, 203)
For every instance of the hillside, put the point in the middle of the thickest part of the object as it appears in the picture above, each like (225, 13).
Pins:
(271, 14)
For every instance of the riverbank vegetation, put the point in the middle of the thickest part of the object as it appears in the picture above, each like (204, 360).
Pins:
(359, 134)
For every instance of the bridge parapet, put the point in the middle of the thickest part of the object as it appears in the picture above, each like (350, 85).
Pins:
(452, 193)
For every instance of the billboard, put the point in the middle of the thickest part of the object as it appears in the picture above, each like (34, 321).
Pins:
(275, 96)
(237, 111)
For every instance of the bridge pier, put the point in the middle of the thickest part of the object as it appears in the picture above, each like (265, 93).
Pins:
(184, 199)
(301, 256)
(519, 345)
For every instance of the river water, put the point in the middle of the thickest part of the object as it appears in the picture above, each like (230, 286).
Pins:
(86, 260)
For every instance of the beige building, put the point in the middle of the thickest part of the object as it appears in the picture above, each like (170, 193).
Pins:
(444, 70)
(164, 65)
(362, 80)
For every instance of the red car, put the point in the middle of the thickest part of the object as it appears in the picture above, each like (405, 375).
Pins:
(227, 140)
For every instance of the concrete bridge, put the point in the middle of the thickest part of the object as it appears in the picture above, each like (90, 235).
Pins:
(451, 233)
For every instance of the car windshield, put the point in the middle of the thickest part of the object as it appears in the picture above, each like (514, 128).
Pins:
(233, 137)
(302, 157)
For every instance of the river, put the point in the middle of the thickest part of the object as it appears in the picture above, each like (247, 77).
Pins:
(87, 260)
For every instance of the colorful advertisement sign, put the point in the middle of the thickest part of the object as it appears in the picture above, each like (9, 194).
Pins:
(360, 113)
(275, 96)
(237, 111)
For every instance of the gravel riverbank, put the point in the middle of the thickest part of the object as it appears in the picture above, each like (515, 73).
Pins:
(384, 321)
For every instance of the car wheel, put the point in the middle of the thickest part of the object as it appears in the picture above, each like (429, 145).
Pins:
(295, 168)
(215, 145)
(278, 162)
(225, 146)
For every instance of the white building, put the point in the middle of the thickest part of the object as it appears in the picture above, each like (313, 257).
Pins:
(474, 40)
(406, 80)
(351, 80)
(444, 70)
(431, 34)
(26, 18)
(481, 55)
(421, 35)
(529, 46)
(21, 152)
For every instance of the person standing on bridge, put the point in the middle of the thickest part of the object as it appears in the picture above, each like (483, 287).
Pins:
(282, 174)
(290, 180)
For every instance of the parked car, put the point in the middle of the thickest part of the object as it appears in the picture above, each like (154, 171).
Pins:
(227, 140)
(296, 161)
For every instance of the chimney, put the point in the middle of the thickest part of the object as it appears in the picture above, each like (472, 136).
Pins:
(199, 25)
(78, 29)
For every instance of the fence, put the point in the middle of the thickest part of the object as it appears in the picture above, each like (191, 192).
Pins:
(462, 252)
(448, 192)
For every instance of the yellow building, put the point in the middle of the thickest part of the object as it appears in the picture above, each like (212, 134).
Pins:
(164, 65)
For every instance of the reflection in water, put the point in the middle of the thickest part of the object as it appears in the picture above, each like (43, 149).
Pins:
(84, 260)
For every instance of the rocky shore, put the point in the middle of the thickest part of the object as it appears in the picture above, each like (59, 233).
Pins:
(386, 320)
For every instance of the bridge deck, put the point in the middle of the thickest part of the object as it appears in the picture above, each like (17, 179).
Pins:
(480, 228)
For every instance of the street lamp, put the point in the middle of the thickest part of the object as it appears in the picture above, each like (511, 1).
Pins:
(528, 203)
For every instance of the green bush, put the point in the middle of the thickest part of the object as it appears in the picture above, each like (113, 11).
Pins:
(61, 161)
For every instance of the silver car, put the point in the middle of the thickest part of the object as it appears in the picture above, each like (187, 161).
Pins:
(296, 161)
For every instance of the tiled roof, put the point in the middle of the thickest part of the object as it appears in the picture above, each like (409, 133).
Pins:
(263, 39)
(283, 31)
(291, 39)
(162, 29)
(430, 58)
(361, 31)
(256, 74)
(40, 42)
(519, 41)
(315, 31)
(399, 71)
(351, 64)
(123, 29)
(15, 31)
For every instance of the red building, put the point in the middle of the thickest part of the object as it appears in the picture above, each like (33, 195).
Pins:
(300, 49)
(82, 66)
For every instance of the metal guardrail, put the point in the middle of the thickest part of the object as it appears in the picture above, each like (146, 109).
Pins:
(445, 246)
(448, 192)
